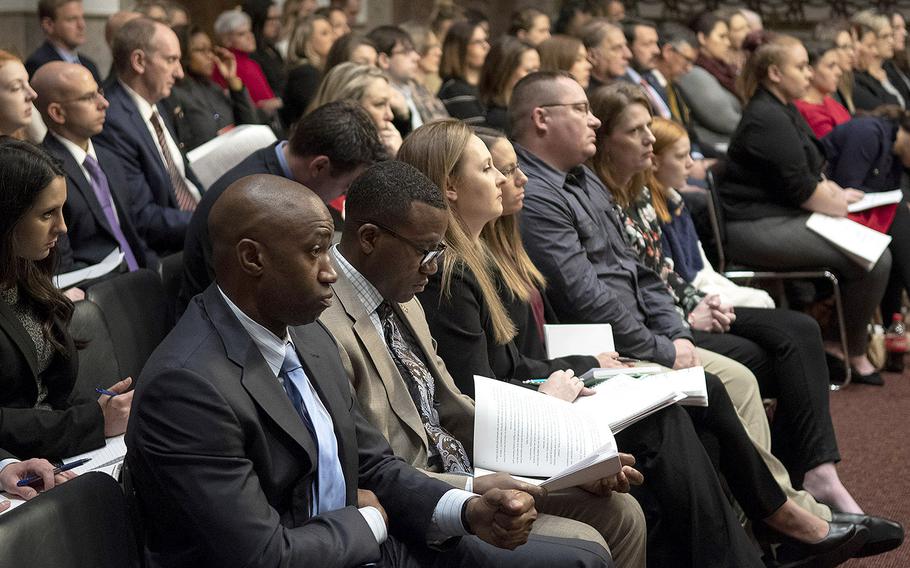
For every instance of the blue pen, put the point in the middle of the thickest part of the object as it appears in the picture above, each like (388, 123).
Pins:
(109, 393)
(534, 381)
(66, 467)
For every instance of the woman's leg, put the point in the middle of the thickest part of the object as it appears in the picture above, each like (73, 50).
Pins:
(900, 262)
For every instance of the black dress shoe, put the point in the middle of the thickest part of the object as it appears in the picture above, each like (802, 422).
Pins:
(884, 535)
(873, 378)
(839, 545)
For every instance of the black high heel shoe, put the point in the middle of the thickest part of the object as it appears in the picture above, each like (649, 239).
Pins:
(884, 534)
(839, 545)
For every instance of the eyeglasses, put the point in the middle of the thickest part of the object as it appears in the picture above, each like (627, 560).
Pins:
(584, 108)
(509, 171)
(689, 59)
(405, 50)
(429, 255)
(92, 97)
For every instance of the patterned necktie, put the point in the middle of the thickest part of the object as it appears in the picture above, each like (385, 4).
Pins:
(330, 487)
(422, 389)
(185, 199)
(103, 194)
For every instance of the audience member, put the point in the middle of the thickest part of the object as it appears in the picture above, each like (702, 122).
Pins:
(176, 14)
(875, 45)
(444, 14)
(566, 53)
(399, 59)
(464, 51)
(474, 333)
(509, 60)
(265, 20)
(783, 348)
(309, 48)
(327, 150)
(773, 180)
(870, 153)
(384, 266)
(897, 67)
(116, 21)
(154, 10)
(63, 25)
(42, 415)
(292, 12)
(253, 451)
(608, 52)
(367, 86)
(428, 47)
(678, 52)
(163, 190)
(233, 29)
(573, 16)
(754, 20)
(12, 471)
(97, 209)
(839, 32)
(818, 107)
(351, 8)
(200, 109)
(737, 28)
(710, 87)
(338, 18)
(614, 11)
(16, 96)
(354, 48)
(530, 26)
(643, 43)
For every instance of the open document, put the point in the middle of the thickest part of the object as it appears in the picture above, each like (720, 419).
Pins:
(862, 244)
(578, 339)
(107, 265)
(210, 160)
(530, 434)
(872, 200)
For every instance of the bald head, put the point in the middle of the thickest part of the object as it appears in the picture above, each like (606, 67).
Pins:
(270, 240)
(69, 101)
(116, 21)
(57, 81)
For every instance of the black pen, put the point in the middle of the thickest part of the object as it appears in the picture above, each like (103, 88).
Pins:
(65, 467)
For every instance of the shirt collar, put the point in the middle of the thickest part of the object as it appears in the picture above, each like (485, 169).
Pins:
(283, 160)
(532, 164)
(78, 153)
(65, 54)
(270, 345)
(633, 75)
(660, 78)
(368, 295)
(145, 108)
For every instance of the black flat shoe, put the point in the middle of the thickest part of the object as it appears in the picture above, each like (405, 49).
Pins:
(884, 534)
(839, 545)
(873, 378)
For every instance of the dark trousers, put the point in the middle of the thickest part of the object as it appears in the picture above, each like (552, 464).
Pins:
(470, 552)
(900, 261)
(690, 520)
(784, 349)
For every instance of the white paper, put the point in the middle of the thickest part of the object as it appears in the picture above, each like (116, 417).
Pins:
(599, 373)
(16, 501)
(109, 264)
(872, 200)
(578, 339)
(211, 160)
(862, 244)
(107, 459)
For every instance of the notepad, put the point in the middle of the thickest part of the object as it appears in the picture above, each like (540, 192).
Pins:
(861, 244)
(210, 160)
(590, 339)
(872, 200)
(107, 265)
(108, 459)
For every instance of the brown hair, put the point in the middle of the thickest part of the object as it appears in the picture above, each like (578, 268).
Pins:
(607, 104)
(767, 49)
(299, 49)
(501, 62)
(48, 8)
(455, 49)
(559, 52)
(436, 150)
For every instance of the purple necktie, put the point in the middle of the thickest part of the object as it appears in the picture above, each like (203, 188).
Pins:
(103, 193)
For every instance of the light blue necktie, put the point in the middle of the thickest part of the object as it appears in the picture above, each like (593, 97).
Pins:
(330, 487)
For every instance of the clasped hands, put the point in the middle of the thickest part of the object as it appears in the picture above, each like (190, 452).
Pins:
(711, 315)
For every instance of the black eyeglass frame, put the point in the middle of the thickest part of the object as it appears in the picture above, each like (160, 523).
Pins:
(429, 255)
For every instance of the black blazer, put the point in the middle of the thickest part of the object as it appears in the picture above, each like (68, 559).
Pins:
(868, 93)
(463, 329)
(155, 211)
(46, 53)
(200, 108)
(223, 465)
(89, 234)
(75, 425)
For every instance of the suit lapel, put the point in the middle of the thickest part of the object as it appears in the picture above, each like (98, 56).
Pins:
(75, 175)
(151, 144)
(399, 398)
(13, 327)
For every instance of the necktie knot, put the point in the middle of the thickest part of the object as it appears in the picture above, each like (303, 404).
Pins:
(291, 360)
(384, 311)
(91, 164)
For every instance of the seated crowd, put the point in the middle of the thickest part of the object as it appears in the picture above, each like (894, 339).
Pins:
(436, 196)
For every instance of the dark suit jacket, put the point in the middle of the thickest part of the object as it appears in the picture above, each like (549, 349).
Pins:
(89, 234)
(75, 425)
(223, 465)
(200, 109)
(868, 93)
(155, 211)
(46, 53)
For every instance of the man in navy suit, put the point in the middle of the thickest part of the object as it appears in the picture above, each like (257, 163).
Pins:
(63, 24)
(248, 448)
(328, 149)
(164, 190)
(97, 210)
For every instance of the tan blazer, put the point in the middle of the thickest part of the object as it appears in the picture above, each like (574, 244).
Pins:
(382, 392)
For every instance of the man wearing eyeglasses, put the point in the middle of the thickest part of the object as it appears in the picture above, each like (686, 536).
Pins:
(391, 245)
(97, 209)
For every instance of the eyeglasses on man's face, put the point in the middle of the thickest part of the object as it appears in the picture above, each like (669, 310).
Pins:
(428, 255)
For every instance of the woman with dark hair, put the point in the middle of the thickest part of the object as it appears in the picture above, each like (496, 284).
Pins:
(200, 108)
(351, 47)
(463, 54)
(774, 181)
(839, 33)
(818, 107)
(710, 87)
(566, 53)
(509, 60)
(39, 412)
(265, 18)
(870, 153)
(875, 45)
(530, 26)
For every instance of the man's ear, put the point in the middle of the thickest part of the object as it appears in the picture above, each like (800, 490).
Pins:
(138, 61)
(366, 237)
(47, 26)
(539, 118)
(56, 113)
(249, 257)
(320, 165)
(383, 61)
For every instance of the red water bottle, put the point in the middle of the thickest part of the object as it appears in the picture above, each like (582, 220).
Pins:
(896, 344)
